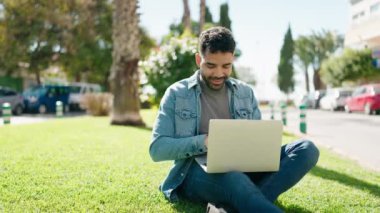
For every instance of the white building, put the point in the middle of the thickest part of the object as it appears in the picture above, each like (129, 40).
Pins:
(364, 30)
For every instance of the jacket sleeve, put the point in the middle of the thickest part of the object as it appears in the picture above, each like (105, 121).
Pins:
(164, 145)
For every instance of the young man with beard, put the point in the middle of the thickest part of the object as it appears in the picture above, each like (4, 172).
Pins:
(181, 128)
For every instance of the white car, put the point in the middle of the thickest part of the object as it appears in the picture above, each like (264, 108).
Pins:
(335, 99)
(77, 92)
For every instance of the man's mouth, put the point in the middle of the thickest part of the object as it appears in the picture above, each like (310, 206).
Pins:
(217, 81)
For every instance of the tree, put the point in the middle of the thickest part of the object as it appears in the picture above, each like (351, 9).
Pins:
(87, 41)
(202, 15)
(324, 43)
(32, 47)
(304, 57)
(124, 76)
(81, 43)
(285, 68)
(195, 27)
(351, 66)
(224, 20)
(208, 16)
(174, 61)
(186, 19)
(146, 43)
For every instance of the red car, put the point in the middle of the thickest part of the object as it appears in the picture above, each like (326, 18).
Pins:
(365, 98)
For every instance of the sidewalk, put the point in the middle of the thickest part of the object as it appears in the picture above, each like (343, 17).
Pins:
(37, 118)
(354, 136)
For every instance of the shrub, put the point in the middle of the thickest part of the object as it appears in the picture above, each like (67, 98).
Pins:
(172, 62)
(99, 104)
(351, 66)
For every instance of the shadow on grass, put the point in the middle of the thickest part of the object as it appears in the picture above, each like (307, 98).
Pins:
(345, 179)
(148, 128)
(291, 208)
(288, 134)
(189, 207)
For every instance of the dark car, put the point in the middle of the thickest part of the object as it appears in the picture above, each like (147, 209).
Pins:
(15, 99)
(43, 98)
(365, 98)
(312, 99)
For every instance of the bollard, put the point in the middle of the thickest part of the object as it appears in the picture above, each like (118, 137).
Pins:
(271, 104)
(7, 112)
(303, 118)
(59, 109)
(283, 113)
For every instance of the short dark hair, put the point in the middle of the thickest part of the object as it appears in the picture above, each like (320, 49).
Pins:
(216, 39)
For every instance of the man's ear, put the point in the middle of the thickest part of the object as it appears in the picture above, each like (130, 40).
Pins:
(198, 59)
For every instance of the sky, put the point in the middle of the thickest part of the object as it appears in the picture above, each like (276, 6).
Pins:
(259, 27)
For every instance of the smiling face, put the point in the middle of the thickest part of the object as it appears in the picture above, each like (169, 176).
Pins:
(215, 68)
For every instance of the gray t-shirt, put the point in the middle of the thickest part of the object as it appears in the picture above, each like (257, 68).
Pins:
(214, 105)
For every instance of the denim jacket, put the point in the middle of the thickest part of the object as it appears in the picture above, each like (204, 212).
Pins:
(176, 129)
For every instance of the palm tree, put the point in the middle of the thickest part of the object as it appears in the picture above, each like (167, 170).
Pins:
(124, 78)
(202, 15)
(304, 56)
(324, 44)
(186, 20)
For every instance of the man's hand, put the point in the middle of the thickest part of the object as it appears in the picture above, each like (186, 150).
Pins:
(206, 139)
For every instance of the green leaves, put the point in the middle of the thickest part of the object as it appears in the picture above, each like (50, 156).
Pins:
(285, 68)
(74, 35)
(173, 62)
(313, 50)
(351, 66)
(224, 20)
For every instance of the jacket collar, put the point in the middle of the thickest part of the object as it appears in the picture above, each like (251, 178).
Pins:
(193, 81)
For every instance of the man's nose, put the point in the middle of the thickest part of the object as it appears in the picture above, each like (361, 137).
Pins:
(220, 72)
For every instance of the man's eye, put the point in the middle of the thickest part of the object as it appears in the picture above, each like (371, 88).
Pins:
(210, 66)
(226, 66)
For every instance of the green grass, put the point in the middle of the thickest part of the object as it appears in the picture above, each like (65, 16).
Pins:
(84, 164)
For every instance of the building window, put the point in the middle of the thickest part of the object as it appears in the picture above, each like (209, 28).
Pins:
(358, 16)
(353, 2)
(375, 8)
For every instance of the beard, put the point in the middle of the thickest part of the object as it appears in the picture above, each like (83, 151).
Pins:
(214, 83)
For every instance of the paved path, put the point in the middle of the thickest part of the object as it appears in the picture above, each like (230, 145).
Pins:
(37, 118)
(356, 135)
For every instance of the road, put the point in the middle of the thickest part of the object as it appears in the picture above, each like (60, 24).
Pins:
(355, 135)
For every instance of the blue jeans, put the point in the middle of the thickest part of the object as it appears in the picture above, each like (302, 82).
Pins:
(251, 192)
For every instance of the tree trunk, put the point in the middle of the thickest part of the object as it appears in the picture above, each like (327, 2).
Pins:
(318, 84)
(38, 77)
(78, 77)
(106, 83)
(202, 15)
(186, 20)
(307, 79)
(124, 77)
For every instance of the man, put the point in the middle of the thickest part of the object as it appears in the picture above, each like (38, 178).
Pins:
(181, 128)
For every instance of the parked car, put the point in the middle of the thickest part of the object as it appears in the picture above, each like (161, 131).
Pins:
(365, 98)
(12, 97)
(77, 92)
(42, 99)
(312, 99)
(335, 99)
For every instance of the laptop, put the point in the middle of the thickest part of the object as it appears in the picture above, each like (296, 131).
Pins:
(242, 145)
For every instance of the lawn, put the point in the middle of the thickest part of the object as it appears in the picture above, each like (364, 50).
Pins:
(84, 164)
